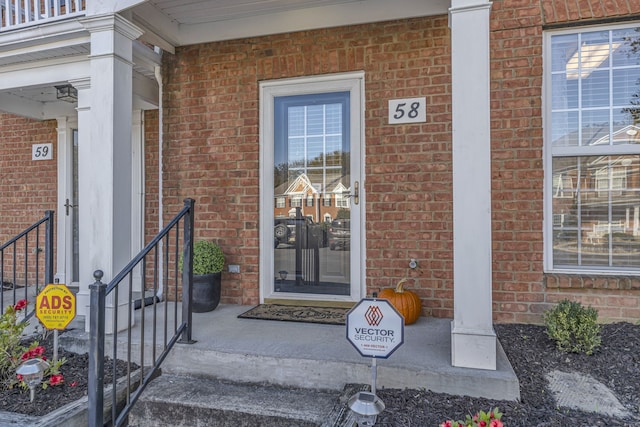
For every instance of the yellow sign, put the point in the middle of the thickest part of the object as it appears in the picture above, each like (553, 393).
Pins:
(56, 306)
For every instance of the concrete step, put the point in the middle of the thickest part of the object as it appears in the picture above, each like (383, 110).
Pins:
(176, 401)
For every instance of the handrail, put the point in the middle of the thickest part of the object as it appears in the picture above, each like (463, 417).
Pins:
(97, 316)
(21, 258)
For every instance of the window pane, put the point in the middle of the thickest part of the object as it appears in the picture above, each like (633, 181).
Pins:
(595, 89)
(564, 129)
(595, 127)
(565, 92)
(626, 83)
(595, 51)
(562, 49)
(628, 42)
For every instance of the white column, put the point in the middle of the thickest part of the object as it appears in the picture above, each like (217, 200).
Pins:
(473, 340)
(84, 170)
(105, 158)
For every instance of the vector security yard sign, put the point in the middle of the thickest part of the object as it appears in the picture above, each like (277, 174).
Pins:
(375, 328)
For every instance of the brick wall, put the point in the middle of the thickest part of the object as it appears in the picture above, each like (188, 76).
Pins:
(27, 188)
(521, 290)
(211, 137)
(212, 134)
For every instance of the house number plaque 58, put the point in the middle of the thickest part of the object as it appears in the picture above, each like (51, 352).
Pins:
(409, 110)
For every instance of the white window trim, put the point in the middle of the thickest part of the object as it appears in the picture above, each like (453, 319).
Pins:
(548, 155)
(269, 90)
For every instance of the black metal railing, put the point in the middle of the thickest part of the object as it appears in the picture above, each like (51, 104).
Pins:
(23, 271)
(146, 263)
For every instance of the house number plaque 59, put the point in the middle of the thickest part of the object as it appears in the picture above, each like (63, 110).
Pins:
(409, 110)
(42, 151)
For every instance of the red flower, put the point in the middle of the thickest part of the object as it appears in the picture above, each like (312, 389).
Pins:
(33, 353)
(19, 376)
(56, 379)
(496, 423)
(20, 305)
(482, 423)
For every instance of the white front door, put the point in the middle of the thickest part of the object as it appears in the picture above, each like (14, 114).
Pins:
(67, 267)
(312, 202)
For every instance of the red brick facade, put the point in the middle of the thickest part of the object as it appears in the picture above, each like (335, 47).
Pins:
(211, 153)
(27, 188)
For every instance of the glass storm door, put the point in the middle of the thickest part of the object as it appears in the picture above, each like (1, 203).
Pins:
(316, 200)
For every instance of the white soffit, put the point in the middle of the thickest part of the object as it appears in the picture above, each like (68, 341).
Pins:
(185, 22)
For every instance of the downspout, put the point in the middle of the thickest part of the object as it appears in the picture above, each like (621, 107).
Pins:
(158, 75)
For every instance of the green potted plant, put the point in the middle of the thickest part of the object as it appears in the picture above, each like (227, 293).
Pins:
(208, 261)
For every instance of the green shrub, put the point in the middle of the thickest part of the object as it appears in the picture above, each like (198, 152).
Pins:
(573, 327)
(208, 258)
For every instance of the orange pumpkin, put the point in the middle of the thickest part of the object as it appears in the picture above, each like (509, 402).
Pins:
(406, 302)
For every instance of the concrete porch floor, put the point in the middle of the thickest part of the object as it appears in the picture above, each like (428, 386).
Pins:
(313, 355)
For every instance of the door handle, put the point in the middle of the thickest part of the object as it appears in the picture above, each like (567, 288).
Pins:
(356, 192)
(69, 205)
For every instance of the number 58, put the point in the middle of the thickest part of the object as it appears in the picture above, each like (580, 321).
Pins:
(412, 110)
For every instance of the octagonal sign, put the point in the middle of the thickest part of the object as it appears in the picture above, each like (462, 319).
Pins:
(375, 328)
(56, 306)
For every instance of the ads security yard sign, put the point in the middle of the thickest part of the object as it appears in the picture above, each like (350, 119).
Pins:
(375, 328)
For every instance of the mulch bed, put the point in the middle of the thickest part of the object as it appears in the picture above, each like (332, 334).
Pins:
(532, 354)
(76, 376)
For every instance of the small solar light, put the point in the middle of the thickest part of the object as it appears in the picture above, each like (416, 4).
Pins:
(32, 372)
(366, 406)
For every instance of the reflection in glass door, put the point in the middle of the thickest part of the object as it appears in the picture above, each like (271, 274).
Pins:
(312, 194)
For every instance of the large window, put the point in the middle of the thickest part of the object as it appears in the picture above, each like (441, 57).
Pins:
(592, 150)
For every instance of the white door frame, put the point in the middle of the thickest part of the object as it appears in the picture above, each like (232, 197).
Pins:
(269, 90)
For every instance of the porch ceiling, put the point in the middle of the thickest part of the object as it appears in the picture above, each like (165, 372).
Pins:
(171, 23)
(63, 47)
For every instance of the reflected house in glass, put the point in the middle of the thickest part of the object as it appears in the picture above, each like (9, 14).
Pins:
(315, 203)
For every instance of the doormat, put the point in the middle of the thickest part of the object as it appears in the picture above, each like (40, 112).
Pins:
(297, 313)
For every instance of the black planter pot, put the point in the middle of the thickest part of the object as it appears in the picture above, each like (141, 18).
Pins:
(206, 292)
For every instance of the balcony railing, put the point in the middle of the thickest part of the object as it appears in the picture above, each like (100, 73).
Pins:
(23, 13)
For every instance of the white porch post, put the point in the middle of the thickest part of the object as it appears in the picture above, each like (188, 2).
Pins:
(473, 340)
(104, 157)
